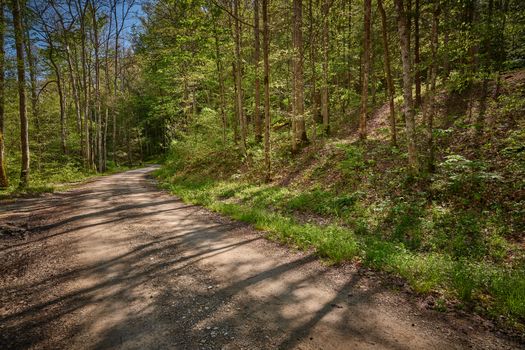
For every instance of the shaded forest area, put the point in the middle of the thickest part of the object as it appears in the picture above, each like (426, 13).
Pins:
(387, 133)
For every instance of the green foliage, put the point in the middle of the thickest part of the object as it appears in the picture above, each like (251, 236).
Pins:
(323, 203)
(515, 145)
(354, 159)
(456, 174)
(470, 282)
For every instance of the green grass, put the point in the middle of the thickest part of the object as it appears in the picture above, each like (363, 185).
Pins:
(496, 288)
(54, 177)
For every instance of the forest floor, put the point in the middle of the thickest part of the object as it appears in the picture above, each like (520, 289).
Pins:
(117, 263)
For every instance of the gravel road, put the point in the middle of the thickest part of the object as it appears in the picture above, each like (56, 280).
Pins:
(118, 264)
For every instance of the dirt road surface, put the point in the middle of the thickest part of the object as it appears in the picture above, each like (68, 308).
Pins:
(118, 264)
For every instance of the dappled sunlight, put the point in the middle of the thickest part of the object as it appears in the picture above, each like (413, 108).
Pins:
(147, 271)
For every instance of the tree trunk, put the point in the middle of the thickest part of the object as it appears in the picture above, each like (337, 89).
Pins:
(350, 44)
(107, 94)
(236, 119)
(324, 89)
(299, 131)
(417, 59)
(115, 86)
(31, 62)
(61, 101)
(434, 41)
(266, 49)
(313, 78)
(20, 63)
(222, 106)
(256, 112)
(388, 73)
(366, 69)
(75, 90)
(238, 76)
(98, 110)
(87, 117)
(408, 103)
(4, 181)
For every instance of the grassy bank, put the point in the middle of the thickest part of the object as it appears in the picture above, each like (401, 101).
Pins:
(488, 286)
(456, 232)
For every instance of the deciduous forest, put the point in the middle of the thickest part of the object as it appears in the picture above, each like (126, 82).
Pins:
(384, 134)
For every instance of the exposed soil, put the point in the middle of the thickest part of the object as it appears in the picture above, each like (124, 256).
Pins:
(116, 263)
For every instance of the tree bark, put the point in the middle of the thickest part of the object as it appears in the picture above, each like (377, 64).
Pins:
(313, 78)
(238, 76)
(299, 131)
(4, 181)
(388, 74)
(324, 89)
(256, 112)
(350, 44)
(266, 49)
(20, 63)
(366, 70)
(98, 110)
(31, 63)
(222, 105)
(61, 101)
(115, 86)
(408, 103)
(434, 42)
(417, 60)
(87, 117)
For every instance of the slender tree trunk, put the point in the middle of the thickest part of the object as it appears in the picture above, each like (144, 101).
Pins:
(238, 76)
(266, 49)
(62, 102)
(417, 68)
(222, 106)
(98, 110)
(350, 45)
(434, 41)
(87, 117)
(20, 63)
(75, 90)
(128, 143)
(31, 63)
(236, 119)
(257, 115)
(299, 134)
(4, 181)
(107, 92)
(388, 73)
(115, 86)
(324, 89)
(313, 92)
(408, 103)
(446, 57)
(366, 69)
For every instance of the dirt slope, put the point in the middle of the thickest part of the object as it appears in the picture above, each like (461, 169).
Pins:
(118, 264)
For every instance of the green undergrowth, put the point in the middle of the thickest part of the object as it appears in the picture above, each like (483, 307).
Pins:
(339, 228)
(456, 232)
(52, 177)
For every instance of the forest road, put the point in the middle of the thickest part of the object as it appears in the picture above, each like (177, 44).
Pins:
(118, 264)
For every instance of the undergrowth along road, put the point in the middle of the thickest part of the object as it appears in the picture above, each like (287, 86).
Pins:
(116, 263)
